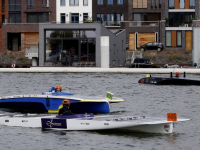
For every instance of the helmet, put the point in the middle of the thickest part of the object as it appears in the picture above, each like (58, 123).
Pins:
(59, 87)
(66, 101)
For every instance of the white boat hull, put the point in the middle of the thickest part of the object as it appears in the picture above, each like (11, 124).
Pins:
(135, 124)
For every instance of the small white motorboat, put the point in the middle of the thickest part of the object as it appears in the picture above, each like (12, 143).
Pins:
(91, 122)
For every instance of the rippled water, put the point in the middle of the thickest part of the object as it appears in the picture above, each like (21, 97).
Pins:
(140, 100)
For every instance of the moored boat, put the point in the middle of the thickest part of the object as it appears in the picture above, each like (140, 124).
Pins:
(172, 80)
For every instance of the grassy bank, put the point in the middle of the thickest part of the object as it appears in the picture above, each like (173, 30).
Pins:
(169, 57)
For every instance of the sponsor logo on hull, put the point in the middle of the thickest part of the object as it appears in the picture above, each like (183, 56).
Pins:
(54, 123)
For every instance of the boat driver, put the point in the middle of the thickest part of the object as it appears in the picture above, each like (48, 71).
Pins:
(58, 88)
(65, 110)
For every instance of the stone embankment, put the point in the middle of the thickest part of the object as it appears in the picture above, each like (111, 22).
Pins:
(18, 58)
(181, 58)
(173, 57)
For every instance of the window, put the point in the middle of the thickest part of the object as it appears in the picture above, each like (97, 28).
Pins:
(30, 3)
(120, 17)
(100, 18)
(152, 3)
(73, 2)
(110, 2)
(179, 41)
(43, 3)
(3, 5)
(179, 19)
(37, 17)
(168, 38)
(85, 17)
(110, 19)
(120, 2)
(192, 4)
(139, 3)
(171, 4)
(156, 3)
(62, 17)
(85, 2)
(14, 17)
(99, 2)
(182, 4)
(3, 19)
(62, 2)
(75, 17)
(14, 5)
(160, 2)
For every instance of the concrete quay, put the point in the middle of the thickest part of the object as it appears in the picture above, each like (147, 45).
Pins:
(99, 70)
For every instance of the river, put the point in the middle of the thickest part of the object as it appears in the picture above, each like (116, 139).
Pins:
(139, 100)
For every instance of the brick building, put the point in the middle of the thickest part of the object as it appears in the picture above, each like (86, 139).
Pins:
(20, 29)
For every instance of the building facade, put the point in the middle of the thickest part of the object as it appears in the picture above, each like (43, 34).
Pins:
(168, 21)
(76, 11)
(21, 28)
(79, 45)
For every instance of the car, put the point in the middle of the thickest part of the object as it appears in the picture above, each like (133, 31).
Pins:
(141, 63)
(152, 46)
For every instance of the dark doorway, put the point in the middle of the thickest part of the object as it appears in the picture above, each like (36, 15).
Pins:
(62, 18)
(14, 41)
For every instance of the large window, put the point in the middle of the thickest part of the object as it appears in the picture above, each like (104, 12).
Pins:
(139, 3)
(110, 2)
(14, 5)
(171, 4)
(15, 17)
(37, 17)
(192, 4)
(30, 3)
(120, 2)
(168, 38)
(77, 46)
(99, 2)
(180, 19)
(62, 2)
(85, 2)
(73, 2)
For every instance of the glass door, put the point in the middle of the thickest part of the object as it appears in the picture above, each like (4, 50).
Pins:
(75, 18)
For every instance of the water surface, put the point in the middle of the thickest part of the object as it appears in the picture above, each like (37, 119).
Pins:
(139, 100)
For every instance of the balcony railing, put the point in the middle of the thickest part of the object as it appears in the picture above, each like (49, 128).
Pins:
(109, 23)
(179, 24)
(143, 23)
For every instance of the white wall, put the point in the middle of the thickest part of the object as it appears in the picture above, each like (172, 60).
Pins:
(105, 57)
(196, 48)
(67, 9)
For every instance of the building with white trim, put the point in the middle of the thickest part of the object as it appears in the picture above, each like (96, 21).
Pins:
(73, 11)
